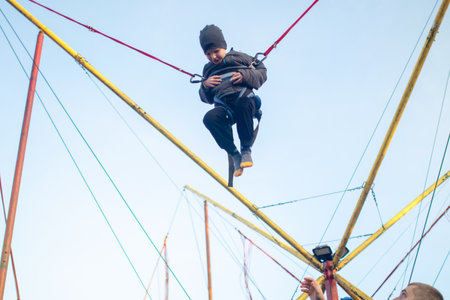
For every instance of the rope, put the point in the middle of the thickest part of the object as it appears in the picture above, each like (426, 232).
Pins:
(337, 240)
(131, 130)
(156, 266)
(429, 209)
(96, 158)
(246, 253)
(90, 28)
(223, 243)
(376, 204)
(312, 197)
(13, 265)
(292, 275)
(382, 256)
(409, 252)
(440, 270)
(274, 45)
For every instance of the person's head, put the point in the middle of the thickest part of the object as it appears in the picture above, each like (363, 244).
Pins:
(419, 291)
(213, 43)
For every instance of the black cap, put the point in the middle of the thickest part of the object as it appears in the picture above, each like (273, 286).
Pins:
(211, 37)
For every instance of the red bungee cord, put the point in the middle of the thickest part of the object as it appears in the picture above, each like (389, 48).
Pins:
(274, 45)
(410, 250)
(287, 271)
(90, 28)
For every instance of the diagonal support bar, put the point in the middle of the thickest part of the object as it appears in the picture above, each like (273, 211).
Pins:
(6, 250)
(160, 128)
(259, 230)
(391, 222)
(398, 114)
(352, 290)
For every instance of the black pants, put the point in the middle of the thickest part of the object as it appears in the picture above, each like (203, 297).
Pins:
(219, 123)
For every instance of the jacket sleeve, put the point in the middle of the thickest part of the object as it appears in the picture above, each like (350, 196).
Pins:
(205, 93)
(254, 78)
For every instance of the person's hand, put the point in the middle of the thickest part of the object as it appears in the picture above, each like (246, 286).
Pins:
(212, 81)
(312, 288)
(236, 78)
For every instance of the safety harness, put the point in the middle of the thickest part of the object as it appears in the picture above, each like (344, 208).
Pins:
(244, 93)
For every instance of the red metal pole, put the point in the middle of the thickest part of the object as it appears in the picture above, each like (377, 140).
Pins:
(12, 257)
(19, 167)
(330, 281)
(208, 255)
(167, 271)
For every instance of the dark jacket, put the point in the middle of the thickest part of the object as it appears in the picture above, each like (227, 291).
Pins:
(252, 77)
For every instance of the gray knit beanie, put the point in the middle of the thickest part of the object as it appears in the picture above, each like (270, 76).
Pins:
(211, 37)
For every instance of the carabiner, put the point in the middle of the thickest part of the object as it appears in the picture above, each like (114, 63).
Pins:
(197, 80)
(255, 61)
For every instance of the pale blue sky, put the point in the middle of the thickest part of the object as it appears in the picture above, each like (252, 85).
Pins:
(328, 83)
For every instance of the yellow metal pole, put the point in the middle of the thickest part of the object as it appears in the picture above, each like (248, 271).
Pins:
(257, 229)
(162, 130)
(320, 281)
(391, 222)
(352, 290)
(392, 128)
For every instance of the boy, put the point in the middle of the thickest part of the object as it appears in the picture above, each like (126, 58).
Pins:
(230, 79)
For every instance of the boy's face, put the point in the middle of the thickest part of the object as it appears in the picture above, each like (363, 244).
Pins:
(216, 55)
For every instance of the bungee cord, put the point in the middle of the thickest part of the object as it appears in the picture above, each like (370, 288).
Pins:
(268, 255)
(90, 28)
(193, 76)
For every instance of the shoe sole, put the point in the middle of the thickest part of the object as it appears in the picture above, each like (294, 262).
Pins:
(238, 173)
(246, 164)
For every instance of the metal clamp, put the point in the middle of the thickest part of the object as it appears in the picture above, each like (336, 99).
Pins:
(256, 61)
(192, 80)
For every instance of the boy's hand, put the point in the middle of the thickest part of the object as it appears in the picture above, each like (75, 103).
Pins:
(236, 78)
(212, 81)
(312, 288)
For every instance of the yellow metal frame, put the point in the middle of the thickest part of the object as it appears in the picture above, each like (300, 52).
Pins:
(391, 222)
(398, 114)
(296, 248)
(352, 290)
